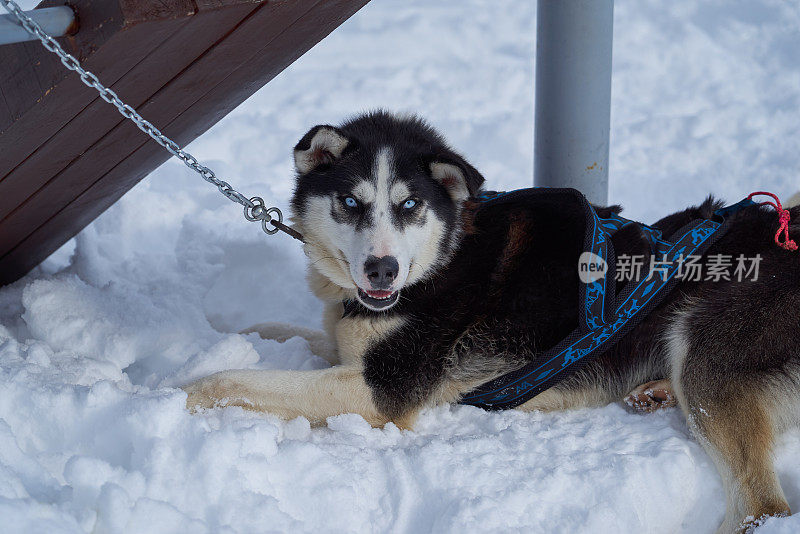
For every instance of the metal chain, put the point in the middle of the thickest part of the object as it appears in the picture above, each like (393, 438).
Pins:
(254, 207)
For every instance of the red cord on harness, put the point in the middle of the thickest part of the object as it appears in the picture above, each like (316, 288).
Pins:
(783, 218)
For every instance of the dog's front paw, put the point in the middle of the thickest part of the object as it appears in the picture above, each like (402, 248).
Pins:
(211, 392)
(199, 395)
(652, 396)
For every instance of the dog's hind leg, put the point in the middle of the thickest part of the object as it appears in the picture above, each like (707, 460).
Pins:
(739, 437)
(734, 419)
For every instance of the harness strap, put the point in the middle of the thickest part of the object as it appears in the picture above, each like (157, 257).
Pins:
(604, 317)
(599, 296)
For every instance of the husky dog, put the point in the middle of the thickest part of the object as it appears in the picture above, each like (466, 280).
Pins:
(429, 297)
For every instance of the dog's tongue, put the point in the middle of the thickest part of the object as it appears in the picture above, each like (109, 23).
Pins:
(379, 294)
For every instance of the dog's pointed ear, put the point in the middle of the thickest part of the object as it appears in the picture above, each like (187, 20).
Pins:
(461, 179)
(322, 145)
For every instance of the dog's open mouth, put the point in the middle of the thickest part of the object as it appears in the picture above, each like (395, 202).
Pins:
(377, 300)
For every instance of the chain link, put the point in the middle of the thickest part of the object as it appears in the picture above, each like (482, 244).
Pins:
(254, 208)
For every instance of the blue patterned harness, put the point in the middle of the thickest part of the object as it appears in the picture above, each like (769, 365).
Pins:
(604, 317)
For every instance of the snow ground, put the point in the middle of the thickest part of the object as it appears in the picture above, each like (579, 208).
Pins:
(94, 436)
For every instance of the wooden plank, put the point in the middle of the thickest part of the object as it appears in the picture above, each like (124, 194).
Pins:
(23, 88)
(255, 62)
(112, 39)
(188, 43)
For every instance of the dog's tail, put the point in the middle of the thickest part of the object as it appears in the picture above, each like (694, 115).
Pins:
(793, 201)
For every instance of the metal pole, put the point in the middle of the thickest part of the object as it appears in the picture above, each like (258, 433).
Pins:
(56, 21)
(573, 95)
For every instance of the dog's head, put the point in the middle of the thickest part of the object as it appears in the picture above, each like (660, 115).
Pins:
(378, 202)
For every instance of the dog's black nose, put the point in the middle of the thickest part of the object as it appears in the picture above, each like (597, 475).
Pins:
(381, 272)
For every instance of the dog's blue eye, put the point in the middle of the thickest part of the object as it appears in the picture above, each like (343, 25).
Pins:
(410, 203)
(350, 202)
